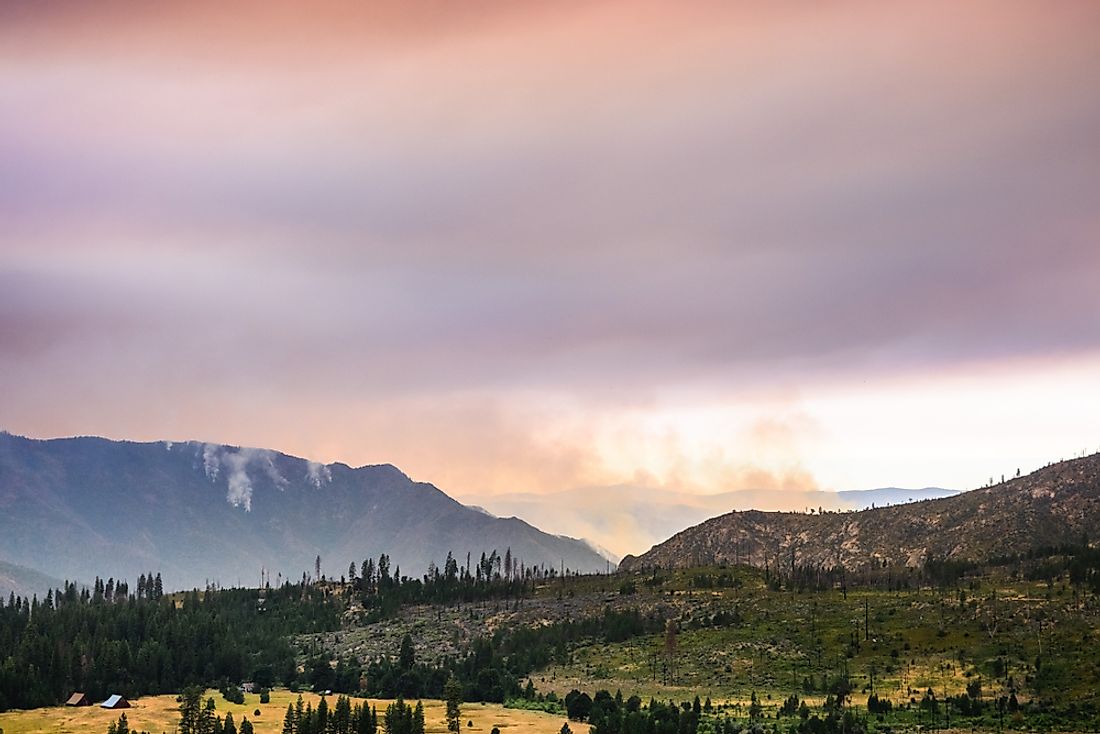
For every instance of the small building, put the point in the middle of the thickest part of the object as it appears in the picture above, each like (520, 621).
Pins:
(248, 687)
(115, 702)
(78, 699)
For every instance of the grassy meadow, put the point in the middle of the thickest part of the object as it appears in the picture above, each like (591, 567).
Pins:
(160, 714)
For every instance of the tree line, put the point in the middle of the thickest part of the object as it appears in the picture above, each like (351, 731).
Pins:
(382, 589)
(114, 638)
(108, 640)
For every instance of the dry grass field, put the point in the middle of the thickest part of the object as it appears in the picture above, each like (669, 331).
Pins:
(159, 714)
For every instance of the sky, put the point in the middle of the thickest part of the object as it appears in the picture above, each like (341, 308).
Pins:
(533, 247)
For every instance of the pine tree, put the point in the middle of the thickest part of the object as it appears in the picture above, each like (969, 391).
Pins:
(122, 726)
(322, 716)
(407, 656)
(190, 711)
(290, 722)
(418, 719)
(341, 716)
(452, 692)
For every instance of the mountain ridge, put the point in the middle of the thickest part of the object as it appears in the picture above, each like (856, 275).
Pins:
(84, 506)
(1057, 504)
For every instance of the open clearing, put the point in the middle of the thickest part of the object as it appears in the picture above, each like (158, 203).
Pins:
(160, 714)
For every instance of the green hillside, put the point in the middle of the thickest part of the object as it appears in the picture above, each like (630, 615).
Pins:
(1015, 644)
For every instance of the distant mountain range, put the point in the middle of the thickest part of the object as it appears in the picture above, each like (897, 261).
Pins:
(630, 518)
(26, 582)
(865, 499)
(195, 512)
(1055, 505)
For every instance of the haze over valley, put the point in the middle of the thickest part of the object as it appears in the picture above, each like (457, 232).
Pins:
(629, 519)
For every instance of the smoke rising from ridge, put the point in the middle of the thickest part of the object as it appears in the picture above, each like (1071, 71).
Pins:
(236, 464)
(318, 473)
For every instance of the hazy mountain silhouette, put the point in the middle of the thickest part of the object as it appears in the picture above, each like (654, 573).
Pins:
(81, 507)
(25, 582)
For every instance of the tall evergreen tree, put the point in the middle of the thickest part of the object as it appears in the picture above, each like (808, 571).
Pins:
(452, 692)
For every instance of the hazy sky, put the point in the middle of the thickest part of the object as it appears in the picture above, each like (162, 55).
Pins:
(536, 246)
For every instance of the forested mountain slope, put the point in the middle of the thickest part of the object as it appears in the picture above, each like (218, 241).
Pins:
(1055, 505)
(86, 507)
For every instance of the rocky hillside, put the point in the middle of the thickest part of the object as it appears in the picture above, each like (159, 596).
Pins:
(81, 507)
(1055, 505)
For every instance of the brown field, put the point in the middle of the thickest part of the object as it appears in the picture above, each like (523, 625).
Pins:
(159, 714)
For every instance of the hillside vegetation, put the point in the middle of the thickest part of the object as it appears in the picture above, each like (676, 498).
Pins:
(1009, 644)
(1003, 635)
(1017, 640)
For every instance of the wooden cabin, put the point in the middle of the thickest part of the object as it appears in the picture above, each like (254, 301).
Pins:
(115, 702)
(78, 699)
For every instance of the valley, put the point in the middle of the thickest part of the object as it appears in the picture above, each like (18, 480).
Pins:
(550, 368)
(998, 632)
